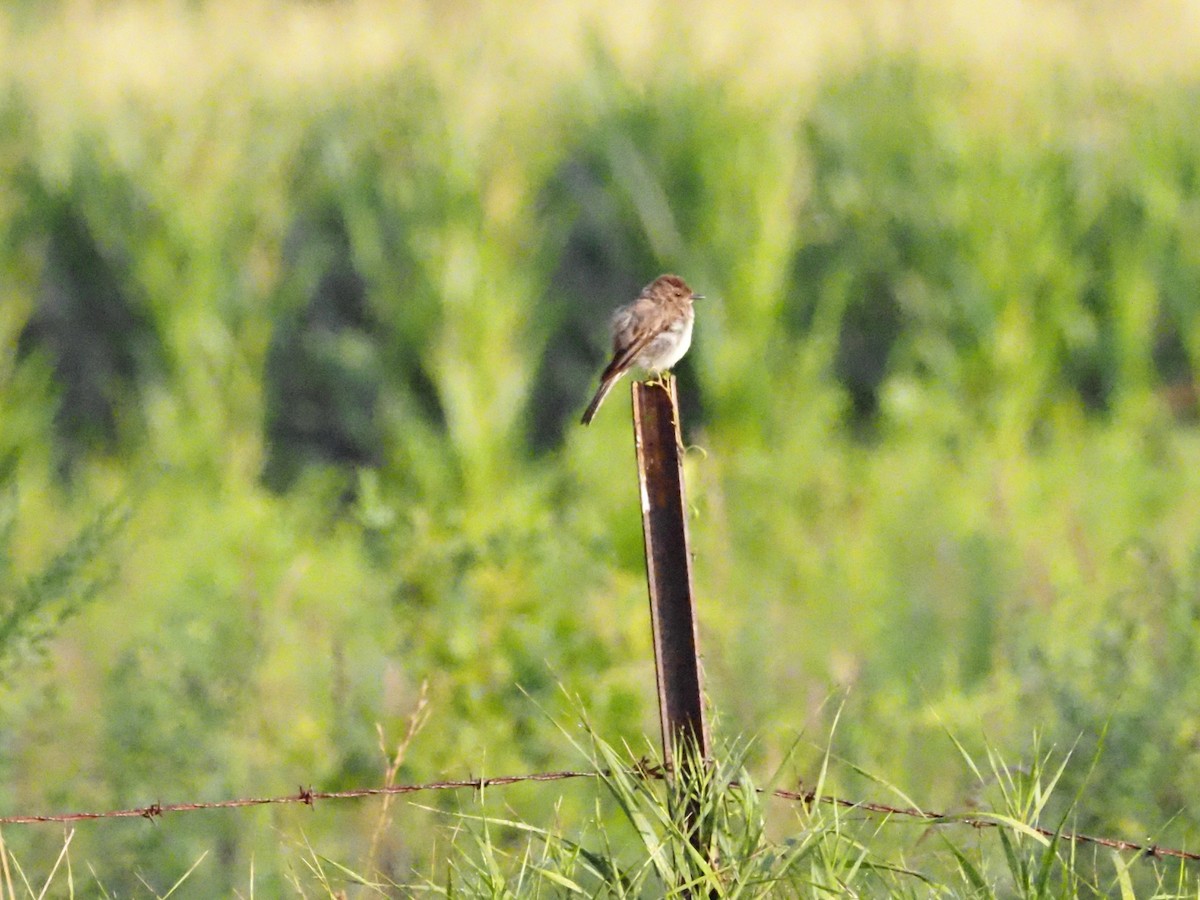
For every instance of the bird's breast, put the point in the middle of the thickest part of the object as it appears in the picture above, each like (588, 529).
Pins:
(669, 346)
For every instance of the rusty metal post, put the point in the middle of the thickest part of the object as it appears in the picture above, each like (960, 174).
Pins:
(668, 572)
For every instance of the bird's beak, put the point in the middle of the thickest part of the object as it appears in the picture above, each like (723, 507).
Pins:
(697, 297)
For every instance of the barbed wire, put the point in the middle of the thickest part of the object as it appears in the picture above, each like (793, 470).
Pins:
(1149, 851)
(308, 797)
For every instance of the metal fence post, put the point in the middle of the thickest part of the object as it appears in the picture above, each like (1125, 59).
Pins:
(669, 577)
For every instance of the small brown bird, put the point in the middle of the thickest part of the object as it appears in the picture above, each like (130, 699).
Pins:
(653, 332)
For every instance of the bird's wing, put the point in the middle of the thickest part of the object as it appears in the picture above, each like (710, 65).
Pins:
(634, 326)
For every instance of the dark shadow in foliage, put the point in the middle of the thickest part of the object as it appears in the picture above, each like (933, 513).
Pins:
(870, 328)
(869, 226)
(606, 259)
(323, 372)
(601, 262)
(1092, 367)
(1091, 370)
(101, 344)
(1174, 369)
(357, 310)
(888, 265)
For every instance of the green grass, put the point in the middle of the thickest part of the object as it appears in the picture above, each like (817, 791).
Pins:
(1016, 839)
(940, 405)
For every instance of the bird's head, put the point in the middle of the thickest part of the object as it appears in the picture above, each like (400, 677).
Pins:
(670, 288)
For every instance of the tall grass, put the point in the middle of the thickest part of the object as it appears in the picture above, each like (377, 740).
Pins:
(940, 399)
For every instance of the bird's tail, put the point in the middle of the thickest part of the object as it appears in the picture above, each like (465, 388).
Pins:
(606, 385)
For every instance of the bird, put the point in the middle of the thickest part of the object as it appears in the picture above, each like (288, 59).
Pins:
(653, 332)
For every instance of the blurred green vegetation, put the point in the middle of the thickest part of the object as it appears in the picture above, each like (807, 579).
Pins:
(326, 335)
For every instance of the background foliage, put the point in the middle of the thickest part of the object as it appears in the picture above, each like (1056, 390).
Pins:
(316, 293)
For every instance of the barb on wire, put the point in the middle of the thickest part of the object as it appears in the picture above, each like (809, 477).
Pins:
(308, 796)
